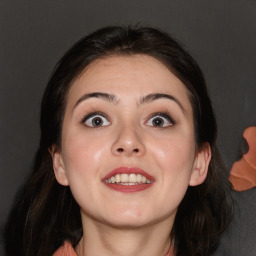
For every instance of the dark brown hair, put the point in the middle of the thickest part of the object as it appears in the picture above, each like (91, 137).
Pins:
(46, 213)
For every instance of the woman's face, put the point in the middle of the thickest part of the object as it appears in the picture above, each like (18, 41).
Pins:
(128, 149)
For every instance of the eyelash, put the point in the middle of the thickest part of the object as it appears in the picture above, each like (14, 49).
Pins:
(93, 115)
(164, 115)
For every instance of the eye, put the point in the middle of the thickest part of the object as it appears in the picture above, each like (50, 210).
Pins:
(95, 120)
(160, 120)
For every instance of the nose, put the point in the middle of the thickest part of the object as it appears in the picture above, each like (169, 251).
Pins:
(128, 143)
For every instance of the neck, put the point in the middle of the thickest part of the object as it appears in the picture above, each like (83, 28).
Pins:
(101, 239)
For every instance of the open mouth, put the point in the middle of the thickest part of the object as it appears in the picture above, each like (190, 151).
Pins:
(128, 179)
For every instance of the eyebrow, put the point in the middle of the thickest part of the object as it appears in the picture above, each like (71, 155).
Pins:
(100, 95)
(146, 99)
(155, 96)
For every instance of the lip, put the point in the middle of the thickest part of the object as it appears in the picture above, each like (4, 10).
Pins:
(128, 188)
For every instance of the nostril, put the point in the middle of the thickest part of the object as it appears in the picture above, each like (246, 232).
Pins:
(121, 150)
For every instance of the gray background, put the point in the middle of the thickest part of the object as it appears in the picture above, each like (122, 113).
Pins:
(221, 35)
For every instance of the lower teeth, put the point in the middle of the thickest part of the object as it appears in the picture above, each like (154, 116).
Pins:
(127, 183)
(130, 183)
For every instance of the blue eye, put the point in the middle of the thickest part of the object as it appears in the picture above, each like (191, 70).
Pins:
(160, 120)
(95, 120)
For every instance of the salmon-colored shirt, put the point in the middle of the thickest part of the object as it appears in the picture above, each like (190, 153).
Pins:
(68, 250)
(65, 250)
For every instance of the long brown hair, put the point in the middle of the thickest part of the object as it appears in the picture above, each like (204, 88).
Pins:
(45, 214)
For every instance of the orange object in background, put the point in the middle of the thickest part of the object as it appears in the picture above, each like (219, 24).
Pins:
(243, 172)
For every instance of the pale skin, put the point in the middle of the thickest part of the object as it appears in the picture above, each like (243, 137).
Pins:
(145, 121)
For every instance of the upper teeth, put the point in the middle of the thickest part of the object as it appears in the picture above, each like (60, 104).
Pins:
(128, 179)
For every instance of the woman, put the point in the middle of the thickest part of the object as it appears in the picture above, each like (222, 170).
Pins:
(127, 163)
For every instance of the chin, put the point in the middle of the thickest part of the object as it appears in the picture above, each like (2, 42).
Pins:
(130, 219)
(128, 224)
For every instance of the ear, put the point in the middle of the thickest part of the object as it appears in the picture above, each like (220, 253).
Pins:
(58, 165)
(201, 164)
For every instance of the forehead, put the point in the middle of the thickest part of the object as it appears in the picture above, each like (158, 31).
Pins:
(136, 66)
(128, 76)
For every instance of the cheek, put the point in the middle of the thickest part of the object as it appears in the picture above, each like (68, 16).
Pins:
(82, 154)
(176, 153)
(175, 159)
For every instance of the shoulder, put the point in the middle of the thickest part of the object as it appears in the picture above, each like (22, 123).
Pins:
(65, 250)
